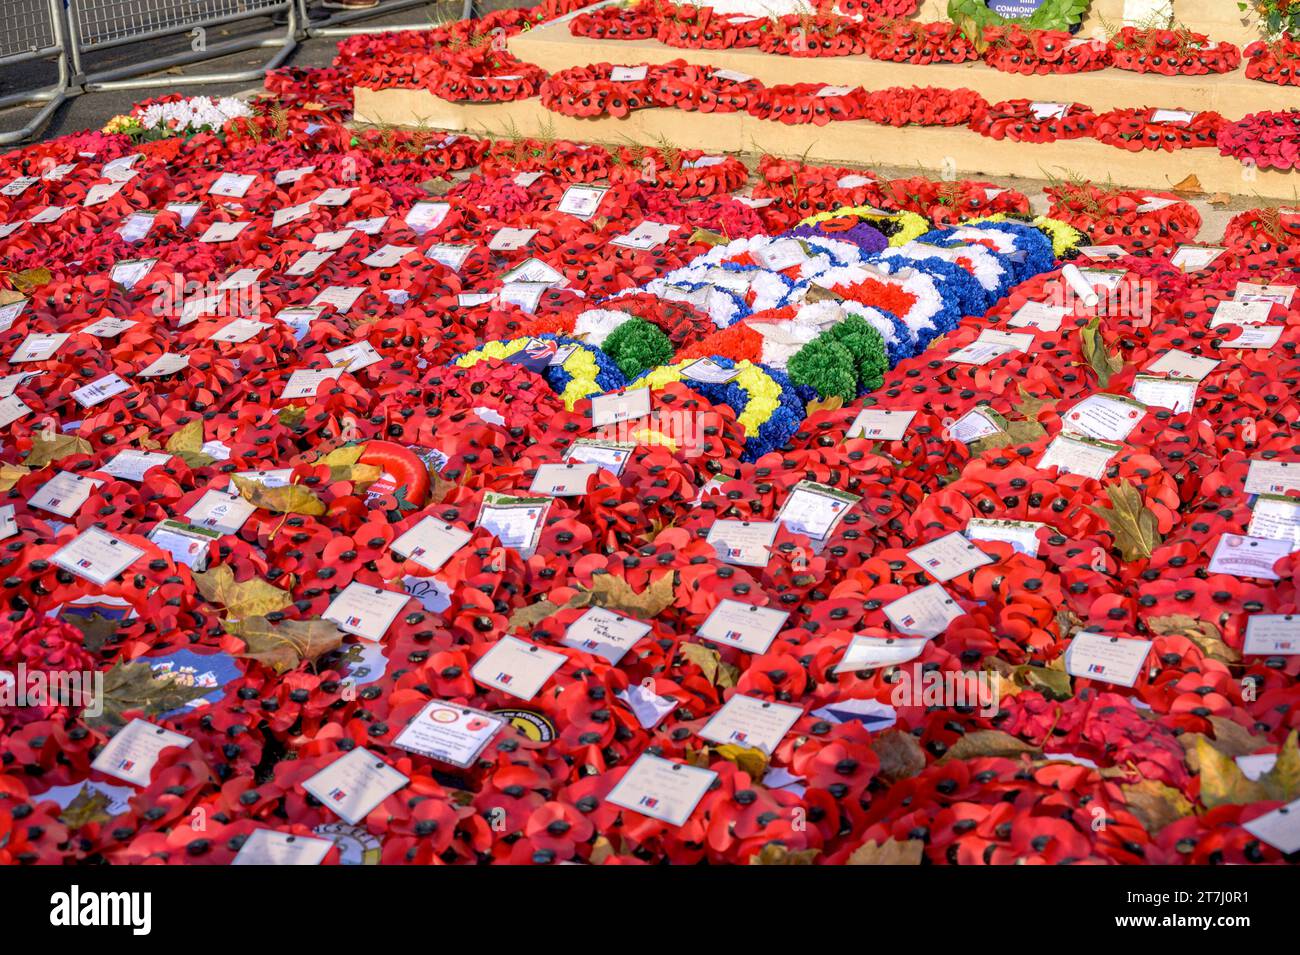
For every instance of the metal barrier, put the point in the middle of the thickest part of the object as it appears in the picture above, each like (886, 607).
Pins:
(33, 30)
(102, 24)
(67, 30)
(330, 25)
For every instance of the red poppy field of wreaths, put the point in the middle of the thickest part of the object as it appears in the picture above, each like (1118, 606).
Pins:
(171, 310)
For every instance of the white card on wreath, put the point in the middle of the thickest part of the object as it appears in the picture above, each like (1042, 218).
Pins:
(516, 667)
(516, 521)
(99, 390)
(64, 494)
(511, 240)
(232, 185)
(880, 424)
(269, 847)
(1176, 394)
(431, 543)
(452, 256)
(304, 382)
(1078, 456)
(1277, 294)
(1097, 656)
(1276, 518)
(12, 408)
(341, 297)
(387, 256)
(1279, 828)
(131, 465)
(563, 480)
(619, 407)
(750, 722)
(1177, 363)
(108, 327)
(582, 201)
(972, 426)
(131, 754)
(354, 357)
(1266, 476)
(1039, 315)
(925, 612)
(1272, 634)
(449, 732)
(366, 611)
(744, 626)
(221, 512)
(354, 784)
(743, 543)
(605, 633)
(662, 789)
(950, 556)
(1241, 313)
(219, 232)
(38, 347)
(1021, 535)
(1193, 258)
(1243, 556)
(708, 371)
(1104, 417)
(1254, 336)
(814, 509)
(610, 455)
(872, 653)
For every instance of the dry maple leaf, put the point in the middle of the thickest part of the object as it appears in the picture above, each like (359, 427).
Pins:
(900, 754)
(89, 805)
(135, 688)
(29, 280)
(1223, 782)
(344, 465)
(11, 474)
(1155, 804)
(187, 444)
(891, 852)
(710, 662)
(50, 446)
(708, 237)
(1201, 632)
(776, 854)
(284, 645)
(96, 629)
(752, 760)
(249, 598)
(616, 594)
(1132, 523)
(988, 743)
(285, 499)
(530, 616)
(1096, 354)
(1049, 681)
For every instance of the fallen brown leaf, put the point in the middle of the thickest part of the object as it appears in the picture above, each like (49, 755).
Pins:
(900, 754)
(891, 852)
(776, 854)
(1155, 804)
(988, 743)
(248, 598)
